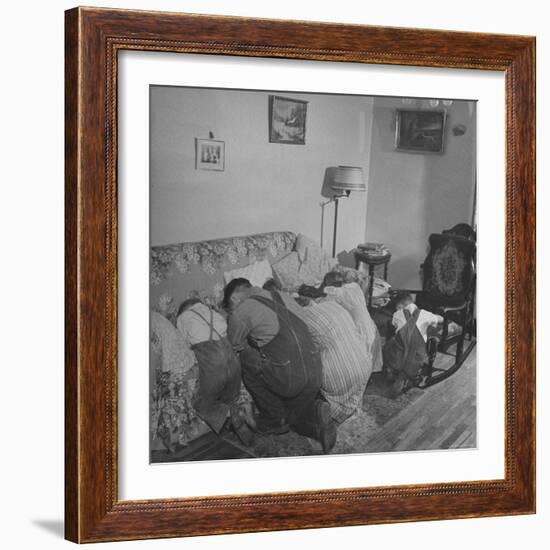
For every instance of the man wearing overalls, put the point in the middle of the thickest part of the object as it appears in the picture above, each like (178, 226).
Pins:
(281, 367)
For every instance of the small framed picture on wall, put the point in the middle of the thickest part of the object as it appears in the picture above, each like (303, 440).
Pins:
(209, 154)
(287, 120)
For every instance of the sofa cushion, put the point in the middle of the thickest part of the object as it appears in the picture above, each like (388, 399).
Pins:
(315, 262)
(168, 342)
(286, 271)
(257, 273)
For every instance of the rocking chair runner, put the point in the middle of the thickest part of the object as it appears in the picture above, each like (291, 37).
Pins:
(449, 276)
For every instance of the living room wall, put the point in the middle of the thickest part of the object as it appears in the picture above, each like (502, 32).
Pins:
(412, 195)
(265, 186)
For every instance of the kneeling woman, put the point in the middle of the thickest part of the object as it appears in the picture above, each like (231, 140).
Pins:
(219, 370)
(346, 364)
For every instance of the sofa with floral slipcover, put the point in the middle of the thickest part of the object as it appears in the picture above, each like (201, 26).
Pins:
(201, 269)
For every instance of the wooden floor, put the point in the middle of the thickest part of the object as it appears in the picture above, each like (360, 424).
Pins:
(442, 417)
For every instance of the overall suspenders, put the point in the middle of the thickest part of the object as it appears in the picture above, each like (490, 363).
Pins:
(209, 324)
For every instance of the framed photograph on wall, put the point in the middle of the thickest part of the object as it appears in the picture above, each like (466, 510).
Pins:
(123, 214)
(287, 120)
(209, 154)
(421, 131)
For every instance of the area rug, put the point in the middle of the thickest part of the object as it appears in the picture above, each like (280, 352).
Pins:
(353, 434)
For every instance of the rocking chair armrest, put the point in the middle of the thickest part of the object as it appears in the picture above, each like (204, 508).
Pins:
(443, 309)
(448, 309)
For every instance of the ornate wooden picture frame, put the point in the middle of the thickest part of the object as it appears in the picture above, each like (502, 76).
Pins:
(280, 130)
(94, 37)
(411, 134)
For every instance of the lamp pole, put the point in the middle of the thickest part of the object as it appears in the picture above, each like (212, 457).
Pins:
(336, 197)
(344, 180)
(346, 193)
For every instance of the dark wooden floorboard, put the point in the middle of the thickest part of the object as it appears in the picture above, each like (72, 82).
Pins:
(443, 417)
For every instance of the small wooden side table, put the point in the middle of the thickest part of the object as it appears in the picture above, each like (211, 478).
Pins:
(372, 261)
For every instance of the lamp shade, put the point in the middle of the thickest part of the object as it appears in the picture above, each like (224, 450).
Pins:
(348, 178)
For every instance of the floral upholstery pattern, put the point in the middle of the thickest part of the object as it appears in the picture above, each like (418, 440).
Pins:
(186, 270)
(448, 265)
(212, 255)
(166, 340)
(173, 417)
(449, 268)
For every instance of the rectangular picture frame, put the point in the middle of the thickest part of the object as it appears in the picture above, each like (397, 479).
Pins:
(287, 120)
(93, 510)
(420, 130)
(209, 154)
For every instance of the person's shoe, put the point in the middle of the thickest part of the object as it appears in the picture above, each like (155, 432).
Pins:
(397, 387)
(248, 415)
(265, 426)
(327, 427)
(245, 435)
(237, 424)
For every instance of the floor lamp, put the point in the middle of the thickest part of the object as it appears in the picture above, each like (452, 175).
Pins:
(345, 180)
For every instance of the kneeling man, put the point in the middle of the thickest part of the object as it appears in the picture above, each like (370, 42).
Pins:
(281, 367)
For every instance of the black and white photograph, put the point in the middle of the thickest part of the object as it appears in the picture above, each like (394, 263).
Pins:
(210, 154)
(420, 131)
(313, 300)
(287, 120)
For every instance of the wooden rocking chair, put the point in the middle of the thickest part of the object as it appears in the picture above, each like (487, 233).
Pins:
(449, 282)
